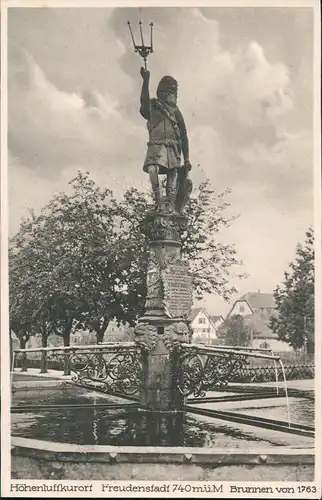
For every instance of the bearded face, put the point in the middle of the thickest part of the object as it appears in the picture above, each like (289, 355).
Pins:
(167, 91)
(171, 98)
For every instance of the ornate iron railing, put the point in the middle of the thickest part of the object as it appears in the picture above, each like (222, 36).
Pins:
(118, 368)
(256, 374)
(113, 368)
(202, 369)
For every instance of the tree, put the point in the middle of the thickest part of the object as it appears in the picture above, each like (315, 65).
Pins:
(82, 227)
(22, 299)
(81, 261)
(294, 299)
(234, 331)
(77, 262)
(133, 250)
(20, 323)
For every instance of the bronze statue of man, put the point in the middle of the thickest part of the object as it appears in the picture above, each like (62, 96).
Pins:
(168, 139)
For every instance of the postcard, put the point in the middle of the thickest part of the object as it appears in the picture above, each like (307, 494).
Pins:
(161, 249)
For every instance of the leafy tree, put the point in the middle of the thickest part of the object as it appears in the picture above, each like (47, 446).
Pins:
(77, 260)
(234, 331)
(81, 229)
(20, 324)
(294, 298)
(23, 296)
(133, 250)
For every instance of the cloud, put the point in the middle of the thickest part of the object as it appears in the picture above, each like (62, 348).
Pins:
(259, 88)
(284, 169)
(28, 190)
(50, 129)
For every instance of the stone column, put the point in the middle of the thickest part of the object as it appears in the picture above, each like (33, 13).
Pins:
(168, 305)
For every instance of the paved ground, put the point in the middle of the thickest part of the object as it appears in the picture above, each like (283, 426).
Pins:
(33, 374)
(301, 385)
(25, 467)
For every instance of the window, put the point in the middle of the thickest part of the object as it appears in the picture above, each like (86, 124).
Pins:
(241, 308)
(202, 321)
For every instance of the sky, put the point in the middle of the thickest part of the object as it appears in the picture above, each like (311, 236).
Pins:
(245, 80)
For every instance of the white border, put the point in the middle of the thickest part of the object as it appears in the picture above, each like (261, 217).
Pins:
(4, 291)
(318, 236)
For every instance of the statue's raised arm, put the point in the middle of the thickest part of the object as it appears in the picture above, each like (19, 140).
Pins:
(145, 108)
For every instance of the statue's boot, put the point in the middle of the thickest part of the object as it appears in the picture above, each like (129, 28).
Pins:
(156, 197)
(184, 192)
(171, 197)
(187, 192)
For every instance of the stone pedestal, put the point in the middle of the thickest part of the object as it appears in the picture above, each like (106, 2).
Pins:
(160, 392)
(168, 304)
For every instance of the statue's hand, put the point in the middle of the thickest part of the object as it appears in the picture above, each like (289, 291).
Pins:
(187, 166)
(145, 74)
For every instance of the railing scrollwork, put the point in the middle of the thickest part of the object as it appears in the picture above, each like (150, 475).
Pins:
(115, 373)
(199, 372)
(202, 369)
(115, 368)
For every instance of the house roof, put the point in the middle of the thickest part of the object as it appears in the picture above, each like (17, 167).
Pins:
(196, 310)
(259, 300)
(194, 313)
(214, 319)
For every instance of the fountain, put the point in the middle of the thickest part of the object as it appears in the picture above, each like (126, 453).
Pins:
(154, 408)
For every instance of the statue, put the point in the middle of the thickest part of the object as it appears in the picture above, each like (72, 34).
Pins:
(168, 140)
(162, 331)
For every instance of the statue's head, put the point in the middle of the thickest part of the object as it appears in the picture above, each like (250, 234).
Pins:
(167, 90)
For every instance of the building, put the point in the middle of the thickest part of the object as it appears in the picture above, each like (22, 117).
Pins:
(253, 302)
(118, 333)
(113, 333)
(257, 310)
(204, 326)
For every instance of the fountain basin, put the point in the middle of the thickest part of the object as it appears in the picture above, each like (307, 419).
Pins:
(34, 459)
(205, 449)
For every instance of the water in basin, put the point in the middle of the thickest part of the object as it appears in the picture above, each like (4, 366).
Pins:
(129, 427)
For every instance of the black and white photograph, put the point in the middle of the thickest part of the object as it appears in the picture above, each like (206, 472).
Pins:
(161, 249)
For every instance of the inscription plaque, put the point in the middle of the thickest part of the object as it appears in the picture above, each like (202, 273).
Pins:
(177, 290)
